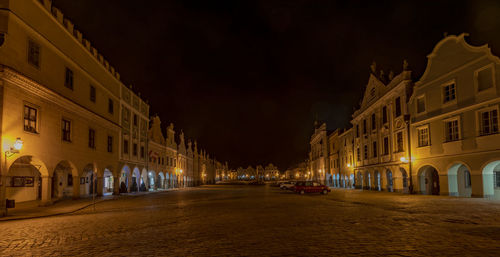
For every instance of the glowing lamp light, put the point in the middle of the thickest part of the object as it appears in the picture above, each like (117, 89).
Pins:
(18, 144)
(180, 171)
(403, 159)
(348, 165)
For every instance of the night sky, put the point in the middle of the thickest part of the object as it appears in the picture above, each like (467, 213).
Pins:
(248, 78)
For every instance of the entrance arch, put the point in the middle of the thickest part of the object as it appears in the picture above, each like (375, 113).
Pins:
(368, 180)
(144, 181)
(62, 180)
(160, 183)
(124, 179)
(359, 182)
(390, 181)
(136, 180)
(459, 180)
(24, 180)
(378, 181)
(428, 180)
(87, 181)
(491, 180)
(108, 184)
(151, 180)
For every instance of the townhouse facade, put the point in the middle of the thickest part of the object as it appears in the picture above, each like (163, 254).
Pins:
(437, 136)
(69, 127)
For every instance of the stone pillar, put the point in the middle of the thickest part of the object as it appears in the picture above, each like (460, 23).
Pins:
(477, 181)
(130, 182)
(100, 186)
(2, 195)
(76, 187)
(443, 184)
(116, 186)
(46, 191)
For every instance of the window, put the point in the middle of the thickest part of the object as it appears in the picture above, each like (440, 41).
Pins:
(484, 79)
(451, 130)
(375, 149)
(386, 145)
(110, 106)
(364, 127)
(135, 119)
(110, 144)
(142, 151)
(134, 149)
(125, 146)
(374, 122)
(357, 130)
(66, 130)
(397, 108)
(92, 138)
(92, 93)
(489, 122)
(366, 152)
(497, 179)
(68, 81)
(449, 92)
(399, 142)
(30, 119)
(33, 53)
(420, 104)
(423, 136)
(384, 114)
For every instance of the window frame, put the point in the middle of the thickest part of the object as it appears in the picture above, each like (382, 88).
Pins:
(65, 132)
(93, 94)
(91, 139)
(421, 128)
(443, 86)
(385, 150)
(479, 121)
(493, 79)
(398, 103)
(421, 97)
(109, 147)
(28, 48)
(37, 118)
(398, 150)
(67, 83)
(111, 106)
(459, 132)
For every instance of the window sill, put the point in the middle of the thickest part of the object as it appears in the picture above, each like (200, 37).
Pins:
(490, 134)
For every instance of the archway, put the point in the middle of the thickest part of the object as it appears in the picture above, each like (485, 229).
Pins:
(428, 180)
(108, 184)
(378, 181)
(87, 180)
(167, 180)
(160, 182)
(351, 181)
(144, 181)
(24, 179)
(151, 180)
(136, 180)
(124, 179)
(368, 180)
(390, 182)
(404, 179)
(491, 180)
(359, 183)
(459, 181)
(62, 180)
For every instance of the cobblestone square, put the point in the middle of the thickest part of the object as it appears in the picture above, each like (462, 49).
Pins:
(263, 221)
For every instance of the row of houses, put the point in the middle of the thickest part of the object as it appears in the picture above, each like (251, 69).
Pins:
(438, 135)
(70, 127)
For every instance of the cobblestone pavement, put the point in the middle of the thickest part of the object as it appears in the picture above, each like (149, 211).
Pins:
(263, 221)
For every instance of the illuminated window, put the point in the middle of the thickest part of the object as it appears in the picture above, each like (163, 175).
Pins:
(30, 119)
(423, 136)
(399, 142)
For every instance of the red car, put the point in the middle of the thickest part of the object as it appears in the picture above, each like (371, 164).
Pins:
(303, 187)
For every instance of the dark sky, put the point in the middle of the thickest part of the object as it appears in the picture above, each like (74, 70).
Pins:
(247, 78)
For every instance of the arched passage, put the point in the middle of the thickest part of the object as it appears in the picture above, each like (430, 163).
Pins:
(24, 180)
(377, 181)
(160, 182)
(108, 182)
(151, 180)
(87, 181)
(390, 181)
(124, 179)
(359, 180)
(62, 180)
(491, 180)
(459, 180)
(428, 180)
(368, 180)
(136, 180)
(144, 181)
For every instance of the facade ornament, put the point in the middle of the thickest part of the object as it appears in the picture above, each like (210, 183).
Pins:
(373, 67)
(391, 75)
(405, 65)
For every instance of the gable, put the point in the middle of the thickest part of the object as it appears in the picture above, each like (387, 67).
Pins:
(373, 90)
(451, 53)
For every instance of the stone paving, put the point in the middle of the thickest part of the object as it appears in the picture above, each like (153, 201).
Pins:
(263, 221)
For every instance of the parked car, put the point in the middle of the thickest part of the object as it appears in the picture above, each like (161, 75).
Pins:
(303, 187)
(287, 185)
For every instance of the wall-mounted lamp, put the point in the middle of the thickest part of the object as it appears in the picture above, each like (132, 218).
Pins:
(18, 145)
